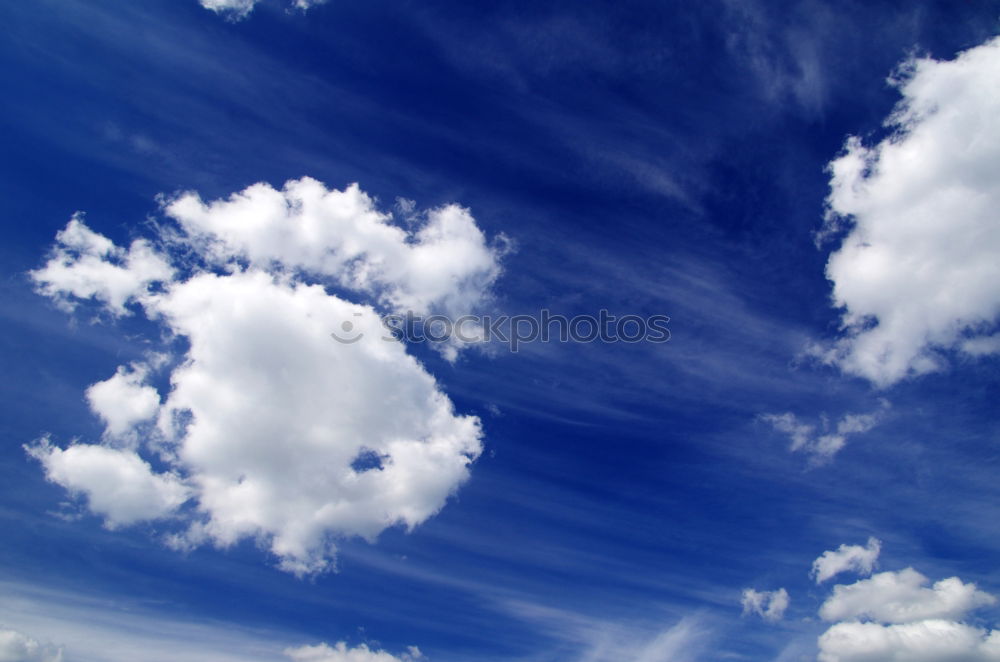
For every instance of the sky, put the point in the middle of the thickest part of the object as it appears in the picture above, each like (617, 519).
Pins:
(216, 446)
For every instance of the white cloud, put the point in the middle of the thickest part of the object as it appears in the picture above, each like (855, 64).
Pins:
(769, 605)
(18, 647)
(340, 652)
(823, 445)
(239, 9)
(982, 346)
(894, 616)
(917, 272)
(123, 400)
(306, 4)
(847, 558)
(924, 641)
(118, 484)
(679, 643)
(903, 597)
(267, 415)
(279, 412)
(446, 265)
(800, 433)
(234, 9)
(87, 265)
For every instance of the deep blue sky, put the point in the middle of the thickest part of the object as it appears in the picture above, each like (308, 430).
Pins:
(646, 158)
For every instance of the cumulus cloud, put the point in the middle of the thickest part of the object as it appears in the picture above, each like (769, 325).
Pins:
(892, 616)
(271, 429)
(340, 652)
(445, 266)
(123, 400)
(917, 274)
(279, 413)
(18, 647)
(854, 558)
(87, 265)
(924, 641)
(903, 597)
(769, 605)
(822, 445)
(118, 484)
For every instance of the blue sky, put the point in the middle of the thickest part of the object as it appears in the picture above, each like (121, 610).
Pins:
(831, 375)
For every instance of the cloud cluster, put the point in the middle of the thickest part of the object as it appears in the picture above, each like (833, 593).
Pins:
(340, 652)
(894, 616)
(823, 445)
(769, 605)
(18, 647)
(846, 558)
(917, 274)
(270, 430)
(236, 10)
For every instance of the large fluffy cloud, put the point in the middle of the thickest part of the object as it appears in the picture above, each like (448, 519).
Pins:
(918, 274)
(924, 641)
(903, 597)
(270, 429)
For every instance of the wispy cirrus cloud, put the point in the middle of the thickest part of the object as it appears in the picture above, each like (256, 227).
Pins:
(88, 628)
(823, 443)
